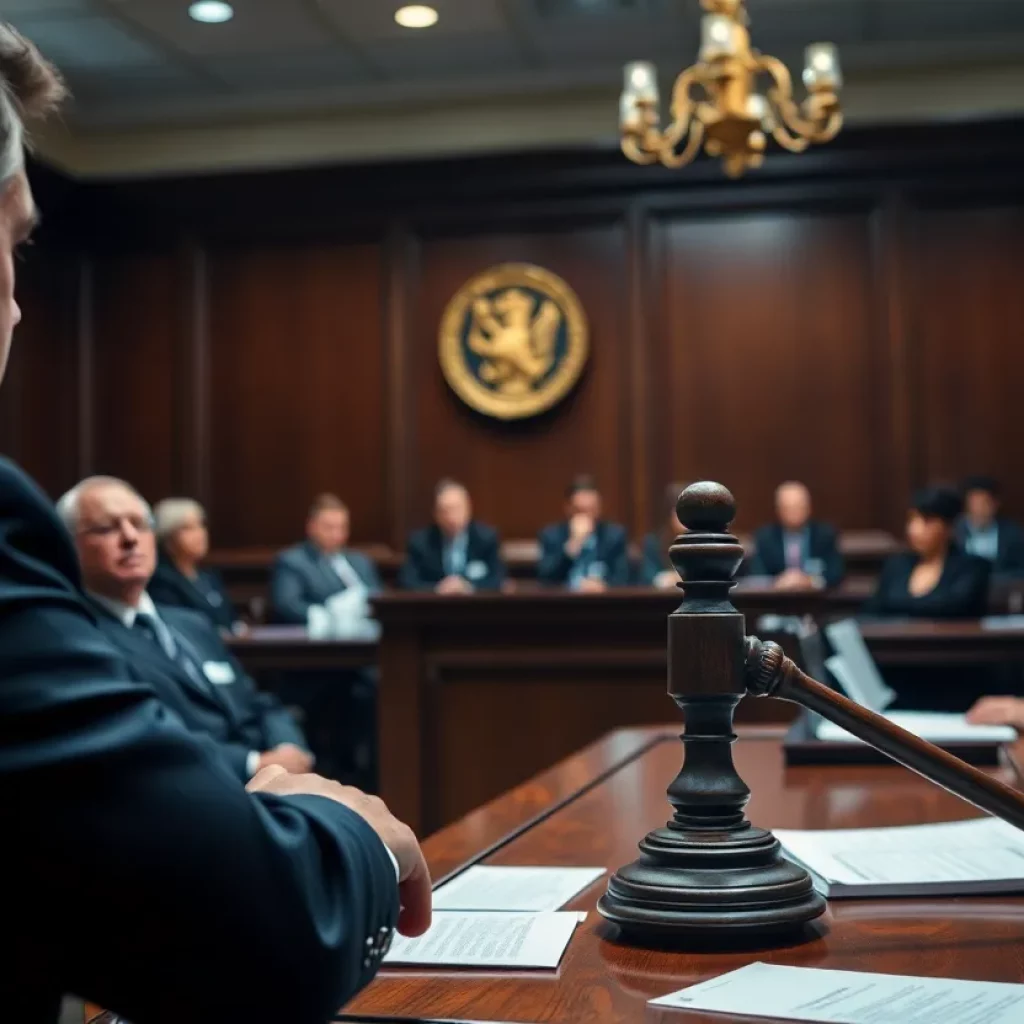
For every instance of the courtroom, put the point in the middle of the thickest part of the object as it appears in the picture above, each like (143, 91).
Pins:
(511, 511)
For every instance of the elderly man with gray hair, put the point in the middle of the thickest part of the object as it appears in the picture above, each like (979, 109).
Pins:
(142, 875)
(180, 580)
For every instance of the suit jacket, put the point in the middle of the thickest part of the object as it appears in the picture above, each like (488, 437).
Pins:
(611, 551)
(206, 594)
(423, 568)
(653, 559)
(1010, 555)
(961, 593)
(143, 876)
(303, 576)
(770, 557)
(229, 710)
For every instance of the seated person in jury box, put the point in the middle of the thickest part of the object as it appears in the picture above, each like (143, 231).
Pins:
(180, 580)
(176, 651)
(455, 555)
(982, 531)
(796, 550)
(935, 578)
(313, 572)
(655, 566)
(584, 552)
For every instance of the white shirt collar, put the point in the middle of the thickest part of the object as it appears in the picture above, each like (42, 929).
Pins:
(125, 613)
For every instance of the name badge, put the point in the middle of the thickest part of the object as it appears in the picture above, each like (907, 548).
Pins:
(476, 570)
(219, 672)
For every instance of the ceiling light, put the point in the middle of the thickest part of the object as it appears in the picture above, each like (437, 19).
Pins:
(211, 12)
(416, 16)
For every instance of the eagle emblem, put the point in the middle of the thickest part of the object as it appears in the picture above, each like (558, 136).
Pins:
(513, 341)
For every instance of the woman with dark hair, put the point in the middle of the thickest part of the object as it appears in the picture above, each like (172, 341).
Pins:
(935, 579)
(655, 568)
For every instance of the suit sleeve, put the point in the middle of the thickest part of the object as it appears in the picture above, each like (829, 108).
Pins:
(371, 577)
(880, 602)
(154, 883)
(758, 563)
(410, 576)
(650, 561)
(554, 565)
(618, 559)
(1013, 562)
(495, 565)
(287, 595)
(835, 566)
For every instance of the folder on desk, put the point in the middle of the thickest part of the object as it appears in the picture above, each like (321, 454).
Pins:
(814, 740)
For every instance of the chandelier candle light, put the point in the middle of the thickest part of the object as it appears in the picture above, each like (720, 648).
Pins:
(716, 101)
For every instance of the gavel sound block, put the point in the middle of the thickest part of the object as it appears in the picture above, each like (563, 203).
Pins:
(709, 876)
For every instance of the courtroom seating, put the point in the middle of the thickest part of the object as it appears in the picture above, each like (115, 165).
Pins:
(246, 571)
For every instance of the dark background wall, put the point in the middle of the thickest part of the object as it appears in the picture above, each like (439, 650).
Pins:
(853, 317)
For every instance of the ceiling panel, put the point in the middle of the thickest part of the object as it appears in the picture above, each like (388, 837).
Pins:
(443, 57)
(926, 19)
(87, 42)
(287, 71)
(375, 19)
(259, 26)
(12, 8)
(134, 85)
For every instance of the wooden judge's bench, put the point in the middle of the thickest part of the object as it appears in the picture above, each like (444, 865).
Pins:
(592, 809)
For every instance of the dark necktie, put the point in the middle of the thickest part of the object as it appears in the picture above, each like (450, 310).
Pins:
(175, 650)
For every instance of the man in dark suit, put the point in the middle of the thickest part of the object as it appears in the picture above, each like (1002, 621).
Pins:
(175, 650)
(796, 550)
(456, 555)
(983, 532)
(584, 553)
(142, 876)
(313, 572)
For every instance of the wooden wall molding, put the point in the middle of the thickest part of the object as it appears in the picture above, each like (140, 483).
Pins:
(254, 339)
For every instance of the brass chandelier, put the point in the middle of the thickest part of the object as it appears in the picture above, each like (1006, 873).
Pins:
(716, 102)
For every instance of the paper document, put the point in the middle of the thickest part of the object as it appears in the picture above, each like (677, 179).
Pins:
(488, 940)
(514, 888)
(850, 997)
(935, 726)
(959, 858)
(862, 681)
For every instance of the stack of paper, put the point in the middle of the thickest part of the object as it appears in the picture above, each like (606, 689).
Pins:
(961, 858)
(934, 726)
(499, 917)
(850, 997)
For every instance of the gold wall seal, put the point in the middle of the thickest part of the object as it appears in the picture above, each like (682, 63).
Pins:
(513, 341)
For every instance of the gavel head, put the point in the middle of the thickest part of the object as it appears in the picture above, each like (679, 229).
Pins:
(706, 633)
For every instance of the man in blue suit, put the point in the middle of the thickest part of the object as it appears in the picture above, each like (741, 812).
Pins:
(584, 553)
(983, 532)
(313, 572)
(455, 555)
(177, 651)
(142, 875)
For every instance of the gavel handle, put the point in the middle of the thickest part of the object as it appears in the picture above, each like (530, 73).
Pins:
(771, 674)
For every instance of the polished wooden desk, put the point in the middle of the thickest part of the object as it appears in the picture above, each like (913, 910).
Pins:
(289, 649)
(465, 679)
(593, 808)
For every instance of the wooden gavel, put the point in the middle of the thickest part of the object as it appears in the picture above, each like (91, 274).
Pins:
(709, 875)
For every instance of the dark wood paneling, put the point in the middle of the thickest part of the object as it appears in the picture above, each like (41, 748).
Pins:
(137, 331)
(849, 316)
(768, 338)
(968, 354)
(518, 472)
(38, 404)
(297, 385)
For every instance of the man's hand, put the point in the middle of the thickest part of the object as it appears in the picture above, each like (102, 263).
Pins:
(581, 526)
(667, 579)
(413, 875)
(793, 579)
(998, 711)
(454, 585)
(289, 757)
(592, 585)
